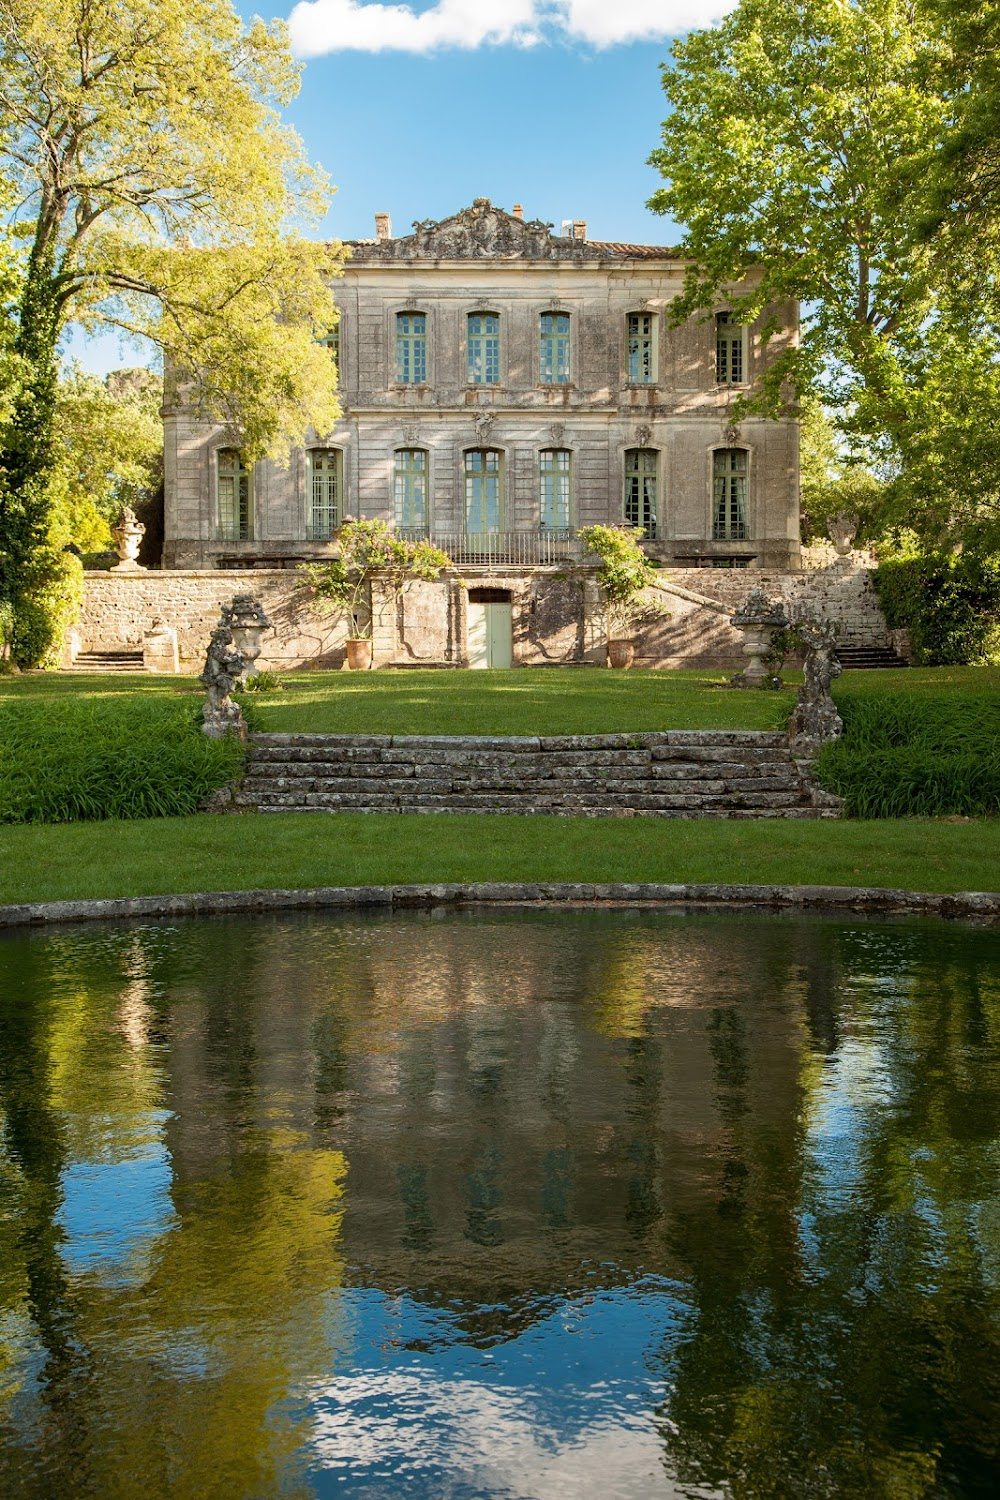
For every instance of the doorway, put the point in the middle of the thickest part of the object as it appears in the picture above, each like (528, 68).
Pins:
(491, 628)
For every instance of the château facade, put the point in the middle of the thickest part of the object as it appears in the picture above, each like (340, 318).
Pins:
(503, 386)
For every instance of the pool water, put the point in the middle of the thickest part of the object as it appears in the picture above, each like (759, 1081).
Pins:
(608, 1205)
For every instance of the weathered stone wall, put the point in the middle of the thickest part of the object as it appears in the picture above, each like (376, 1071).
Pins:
(557, 617)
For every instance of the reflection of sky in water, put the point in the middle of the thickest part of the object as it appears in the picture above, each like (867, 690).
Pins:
(113, 1211)
(568, 1406)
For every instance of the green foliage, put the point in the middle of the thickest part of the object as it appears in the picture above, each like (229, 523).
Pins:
(108, 451)
(66, 759)
(625, 573)
(369, 549)
(844, 156)
(261, 682)
(950, 604)
(833, 484)
(916, 754)
(48, 602)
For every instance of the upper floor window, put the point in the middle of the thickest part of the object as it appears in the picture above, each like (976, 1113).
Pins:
(484, 349)
(641, 360)
(640, 489)
(331, 340)
(410, 489)
(483, 497)
(234, 496)
(554, 488)
(554, 362)
(729, 495)
(730, 358)
(411, 348)
(323, 491)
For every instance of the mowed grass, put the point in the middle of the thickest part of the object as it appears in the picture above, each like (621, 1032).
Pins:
(525, 701)
(301, 850)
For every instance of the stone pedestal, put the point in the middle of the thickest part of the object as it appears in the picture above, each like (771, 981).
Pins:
(159, 648)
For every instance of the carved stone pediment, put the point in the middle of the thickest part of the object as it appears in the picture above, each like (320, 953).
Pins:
(481, 232)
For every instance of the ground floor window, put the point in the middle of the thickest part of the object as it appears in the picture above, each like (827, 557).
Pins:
(234, 495)
(410, 489)
(729, 495)
(554, 488)
(483, 500)
(324, 488)
(640, 489)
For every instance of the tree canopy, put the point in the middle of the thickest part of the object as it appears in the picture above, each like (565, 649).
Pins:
(838, 152)
(154, 189)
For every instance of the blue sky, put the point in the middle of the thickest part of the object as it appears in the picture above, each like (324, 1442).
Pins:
(416, 109)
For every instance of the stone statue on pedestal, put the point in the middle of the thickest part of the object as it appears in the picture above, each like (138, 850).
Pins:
(223, 670)
(815, 719)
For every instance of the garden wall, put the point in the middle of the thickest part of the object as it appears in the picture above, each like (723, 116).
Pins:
(557, 617)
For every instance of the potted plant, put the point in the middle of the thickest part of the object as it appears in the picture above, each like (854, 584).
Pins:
(624, 575)
(369, 550)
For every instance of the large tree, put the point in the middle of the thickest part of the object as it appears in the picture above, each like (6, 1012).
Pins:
(836, 150)
(158, 192)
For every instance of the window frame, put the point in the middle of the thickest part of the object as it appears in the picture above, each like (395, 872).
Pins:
(414, 345)
(483, 361)
(725, 531)
(318, 532)
(650, 532)
(726, 344)
(407, 474)
(654, 351)
(331, 341)
(555, 349)
(467, 473)
(562, 478)
(242, 529)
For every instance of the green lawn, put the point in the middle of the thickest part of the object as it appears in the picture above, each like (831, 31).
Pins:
(528, 700)
(290, 850)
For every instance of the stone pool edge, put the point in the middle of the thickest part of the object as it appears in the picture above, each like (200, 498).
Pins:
(872, 899)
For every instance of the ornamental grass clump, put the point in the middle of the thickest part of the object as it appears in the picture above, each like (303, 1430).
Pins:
(72, 759)
(912, 754)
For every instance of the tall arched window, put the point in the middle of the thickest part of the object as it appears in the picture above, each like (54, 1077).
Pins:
(730, 352)
(483, 347)
(483, 491)
(640, 489)
(410, 489)
(323, 482)
(234, 496)
(641, 362)
(554, 488)
(553, 364)
(729, 495)
(411, 348)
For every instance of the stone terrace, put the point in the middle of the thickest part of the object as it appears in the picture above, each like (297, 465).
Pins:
(673, 774)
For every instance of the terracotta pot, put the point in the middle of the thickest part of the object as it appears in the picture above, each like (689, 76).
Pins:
(359, 655)
(621, 653)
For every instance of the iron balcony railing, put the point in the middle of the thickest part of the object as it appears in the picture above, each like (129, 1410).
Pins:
(528, 549)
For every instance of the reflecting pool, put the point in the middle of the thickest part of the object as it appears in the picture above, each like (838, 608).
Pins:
(611, 1205)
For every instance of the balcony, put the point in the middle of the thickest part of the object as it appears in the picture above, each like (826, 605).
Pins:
(516, 549)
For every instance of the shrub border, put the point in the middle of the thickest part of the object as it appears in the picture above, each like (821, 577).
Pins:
(864, 899)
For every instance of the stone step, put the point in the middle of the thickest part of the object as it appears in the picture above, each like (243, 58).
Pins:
(108, 661)
(682, 773)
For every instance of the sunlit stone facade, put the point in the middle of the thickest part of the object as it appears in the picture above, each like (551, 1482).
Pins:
(503, 386)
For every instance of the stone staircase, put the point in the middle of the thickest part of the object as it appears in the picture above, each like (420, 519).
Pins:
(673, 774)
(120, 659)
(869, 658)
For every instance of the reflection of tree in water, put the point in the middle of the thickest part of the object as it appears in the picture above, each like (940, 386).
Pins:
(867, 1362)
(744, 1107)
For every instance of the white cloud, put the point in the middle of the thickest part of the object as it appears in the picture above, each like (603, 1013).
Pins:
(321, 26)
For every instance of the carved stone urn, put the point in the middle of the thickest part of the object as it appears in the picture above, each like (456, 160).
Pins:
(843, 529)
(128, 531)
(248, 622)
(621, 653)
(759, 618)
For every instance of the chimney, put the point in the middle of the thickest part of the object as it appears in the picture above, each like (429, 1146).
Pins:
(579, 229)
(383, 227)
(517, 211)
(566, 228)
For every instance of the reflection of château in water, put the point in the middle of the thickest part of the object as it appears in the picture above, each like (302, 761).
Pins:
(629, 1090)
